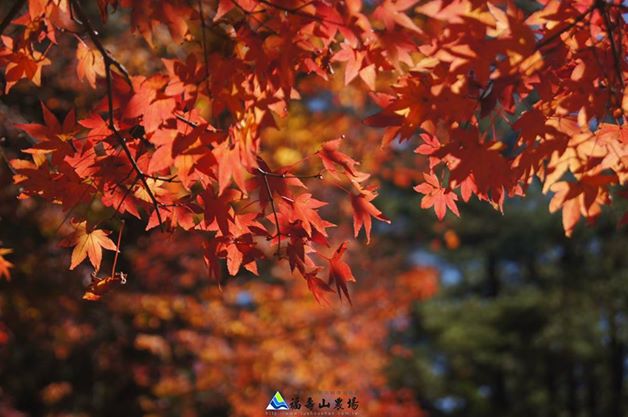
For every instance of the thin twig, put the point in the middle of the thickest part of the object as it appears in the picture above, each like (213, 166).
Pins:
(252, 14)
(614, 46)
(164, 179)
(109, 61)
(294, 11)
(115, 258)
(126, 194)
(194, 124)
(3, 155)
(204, 44)
(553, 37)
(186, 120)
(69, 213)
(283, 175)
(17, 6)
(91, 32)
(126, 149)
(274, 209)
(265, 175)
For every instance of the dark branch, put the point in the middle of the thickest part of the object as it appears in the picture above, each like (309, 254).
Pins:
(544, 42)
(4, 156)
(164, 179)
(274, 209)
(193, 124)
(109, 61)
(265, 175)
(17, 6)
(115, 259)
(294, 11)
(615, 47)
(204, 44)
(186, 120)
(126, 194)
(93, 36)
(262, 23)
(284, 175)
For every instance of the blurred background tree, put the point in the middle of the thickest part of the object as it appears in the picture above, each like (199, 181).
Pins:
(527, 322)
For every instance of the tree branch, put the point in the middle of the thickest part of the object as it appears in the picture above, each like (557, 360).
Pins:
(17, 6)
(172, 179)
(126, 194)
(283, 175)
(265, 174)
(4, 157)
(115, 258)
(109, 61)
(272, 206)
(204, 44)
(295, 11)
(262, 23)
(186, 120)
(615, 47)
(93, 36)
(544, 42)
(194, 124)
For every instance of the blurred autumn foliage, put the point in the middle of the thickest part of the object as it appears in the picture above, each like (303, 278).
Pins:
(171, 342)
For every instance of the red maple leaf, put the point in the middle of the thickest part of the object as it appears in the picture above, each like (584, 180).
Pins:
(332, 157)
(363, 210)
(340, 272)
(437, 197)
(317, 286)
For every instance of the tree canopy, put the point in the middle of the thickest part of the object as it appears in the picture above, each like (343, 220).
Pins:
(491, 96)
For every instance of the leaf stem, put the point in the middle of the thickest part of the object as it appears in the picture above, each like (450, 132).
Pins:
(115, 258)
(272, 206)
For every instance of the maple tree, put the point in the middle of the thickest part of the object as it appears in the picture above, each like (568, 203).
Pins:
(182, 145)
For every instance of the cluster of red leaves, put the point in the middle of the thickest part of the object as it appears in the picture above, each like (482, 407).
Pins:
(150, 149)
(557, 77)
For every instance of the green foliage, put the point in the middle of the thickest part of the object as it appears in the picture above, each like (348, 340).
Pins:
(531, 323)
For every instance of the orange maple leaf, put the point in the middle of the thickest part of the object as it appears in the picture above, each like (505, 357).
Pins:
(317, 286)
(88, 245)
(331, 156)
(437, 197)
(4, 264)
(89, 64)
(363, 210)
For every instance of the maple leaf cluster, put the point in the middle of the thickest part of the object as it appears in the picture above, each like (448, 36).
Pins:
(181, 147)
(555, 77)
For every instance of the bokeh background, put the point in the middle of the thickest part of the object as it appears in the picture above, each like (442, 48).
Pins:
(492, 315)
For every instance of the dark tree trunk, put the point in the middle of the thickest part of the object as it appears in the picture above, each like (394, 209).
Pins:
(592, 403)
(616, 364)
(493, 286)
(572, 388)
(550, 386)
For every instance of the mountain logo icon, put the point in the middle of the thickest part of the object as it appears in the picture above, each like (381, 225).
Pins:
(277, 403)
